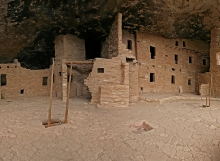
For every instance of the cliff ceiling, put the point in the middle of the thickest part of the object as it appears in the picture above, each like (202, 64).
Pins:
(28, 27)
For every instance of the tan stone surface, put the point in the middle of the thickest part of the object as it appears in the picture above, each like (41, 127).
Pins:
(214, 66)
(164, 66)
(183, 130)
(18, 78)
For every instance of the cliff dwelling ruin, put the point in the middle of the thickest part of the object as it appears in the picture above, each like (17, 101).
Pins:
(123, 67)
(125, 80)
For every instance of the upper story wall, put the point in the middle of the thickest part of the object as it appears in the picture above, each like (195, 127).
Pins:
(17, 81)
(110, 47)
(128, 39)
(215, 61)
(165, 64)
(156, 50)
(69, 47)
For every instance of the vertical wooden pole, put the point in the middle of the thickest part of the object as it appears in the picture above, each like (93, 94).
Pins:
(210, 89)
(51, 95)
(206, 100)
(68, 95)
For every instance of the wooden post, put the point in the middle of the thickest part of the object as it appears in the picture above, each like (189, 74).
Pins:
(68, 94)
(206, 100)
(51, 95)
(210, 89)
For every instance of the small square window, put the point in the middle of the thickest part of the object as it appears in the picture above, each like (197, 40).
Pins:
(129, 44)
(172, 79)
(176, 58)
(100, 70)
(152, 52)
(189, 81)
(176, 43)
(152, 77)
(204, 61)
(190, 59)
(3, 80)
(184, 44)
(44, 82)
(22, 91)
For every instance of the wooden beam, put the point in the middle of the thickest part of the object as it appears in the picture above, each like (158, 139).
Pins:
(210, 89)
(78, 62)
(51, 96)
(68, 94)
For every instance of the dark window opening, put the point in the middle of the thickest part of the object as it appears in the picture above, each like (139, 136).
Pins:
(129, 60)
(0, 67)
(152, 52)
(190, 59)
(176, 43)
(129, 44)
(172, 79)
(173, 69)
(68, 77)
(166, 55)
(3, 80)
(189, 81)
(176, 58)
(141, 88)
(152, 77)
(100, 70)
(22, 91)
(184, 44)
(44, 82)
(204, 61)
(7, 66)
(93, 48)
(15, 66)
(53, 78)
(60, 74)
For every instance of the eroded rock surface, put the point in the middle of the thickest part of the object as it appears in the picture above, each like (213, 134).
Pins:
(28, 28)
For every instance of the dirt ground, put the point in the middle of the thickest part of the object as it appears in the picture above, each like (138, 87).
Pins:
(182, 130)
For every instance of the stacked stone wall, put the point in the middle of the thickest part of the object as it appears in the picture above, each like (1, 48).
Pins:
(70, 48)
(169, 73)
(214, 65)
(24, 82)
(110, 47)
(202, 78)
(114, 96)
(111, 75)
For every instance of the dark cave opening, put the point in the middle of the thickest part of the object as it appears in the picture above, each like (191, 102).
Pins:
(93, 48)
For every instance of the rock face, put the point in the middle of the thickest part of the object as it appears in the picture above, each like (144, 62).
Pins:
(28, 28)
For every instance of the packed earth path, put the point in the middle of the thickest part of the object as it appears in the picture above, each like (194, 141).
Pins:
(183, 130)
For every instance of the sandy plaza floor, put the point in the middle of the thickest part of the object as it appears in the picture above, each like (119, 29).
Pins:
(182, 130)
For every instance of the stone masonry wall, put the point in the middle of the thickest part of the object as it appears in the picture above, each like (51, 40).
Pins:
(202, 78)
(126, 36)
(69, 48)
(165, 73)
(214, 58)
(79, 74)
(111, 74)
(24, 82)
(114, 81)
(114, 96)
(110, 45)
